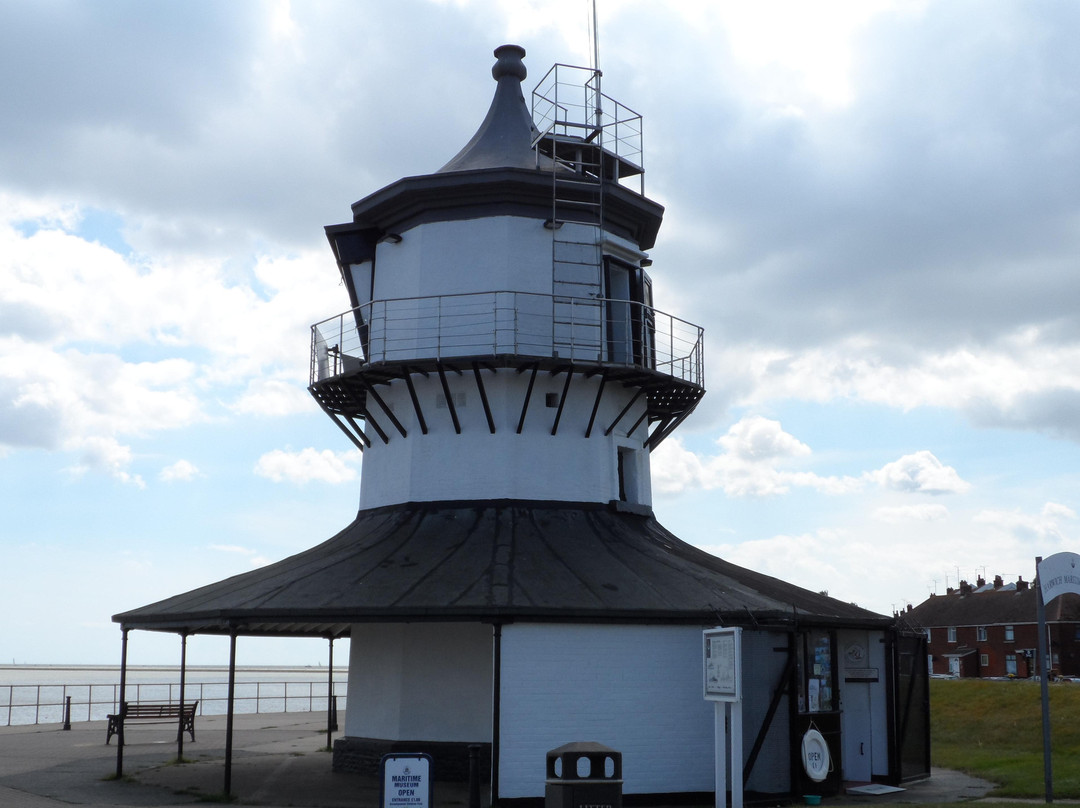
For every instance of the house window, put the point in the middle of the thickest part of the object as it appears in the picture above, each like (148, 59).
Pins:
(1010, 634)
(981, 633)
(1010, 664)
(984, 660)
(930, 636)
(952, 633)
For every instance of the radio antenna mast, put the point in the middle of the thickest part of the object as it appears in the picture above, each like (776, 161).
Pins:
(594, 39)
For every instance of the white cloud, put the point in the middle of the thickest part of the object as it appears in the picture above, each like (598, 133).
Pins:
(920, 473)
(1056, 509)
(901, 514)
(757, 439)
(308, 465)
(180, 471)
(755, 449)
(105, 455)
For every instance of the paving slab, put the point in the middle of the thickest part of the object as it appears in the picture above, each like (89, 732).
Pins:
(279, 759)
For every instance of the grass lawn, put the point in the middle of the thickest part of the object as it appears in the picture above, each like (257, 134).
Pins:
(993, 729)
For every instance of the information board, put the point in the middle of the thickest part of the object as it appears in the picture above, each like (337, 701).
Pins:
(723, 664)
(405, 781)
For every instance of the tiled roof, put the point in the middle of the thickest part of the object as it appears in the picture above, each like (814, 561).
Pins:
(1004, 606)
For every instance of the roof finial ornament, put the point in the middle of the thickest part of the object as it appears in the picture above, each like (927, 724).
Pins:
(509, 63)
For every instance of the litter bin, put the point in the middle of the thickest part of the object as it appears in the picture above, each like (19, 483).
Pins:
(583, 774)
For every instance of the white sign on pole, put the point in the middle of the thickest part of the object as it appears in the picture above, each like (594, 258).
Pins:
(722, 661)
(723, 671)
(1059, 574)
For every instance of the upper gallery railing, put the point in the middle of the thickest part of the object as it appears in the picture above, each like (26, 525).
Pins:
(528, 325)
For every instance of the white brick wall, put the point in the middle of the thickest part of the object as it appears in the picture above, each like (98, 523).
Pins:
(637, 689)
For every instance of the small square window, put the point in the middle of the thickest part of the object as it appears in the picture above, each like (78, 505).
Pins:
(984, 660)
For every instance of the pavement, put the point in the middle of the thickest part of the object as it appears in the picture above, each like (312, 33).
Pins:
(279, 759)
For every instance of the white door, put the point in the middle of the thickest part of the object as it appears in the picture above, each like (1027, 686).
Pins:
(954, 666)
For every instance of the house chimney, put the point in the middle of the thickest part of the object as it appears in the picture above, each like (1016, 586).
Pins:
(998, 583)
(1021, 584)
(950, 591)
(965, 588)
(980, 582)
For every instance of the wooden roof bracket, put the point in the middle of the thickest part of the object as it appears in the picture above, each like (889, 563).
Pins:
(382, 404)
(449, 399)
(528, 396)
(562, 400)
(415, 401)
(625, 410)
(483, 397)
(596, 403)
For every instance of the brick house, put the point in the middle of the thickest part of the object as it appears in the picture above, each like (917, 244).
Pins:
(991, 629)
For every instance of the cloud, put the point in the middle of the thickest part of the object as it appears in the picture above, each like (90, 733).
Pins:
(308, 465)
(910, 513)
(920, 473)
(1043, 532)
(756, 439)
(105, 455)
(99, 347)
(756, 448)
(180, 471)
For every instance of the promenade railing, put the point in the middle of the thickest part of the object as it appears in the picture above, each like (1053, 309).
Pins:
(49, 704)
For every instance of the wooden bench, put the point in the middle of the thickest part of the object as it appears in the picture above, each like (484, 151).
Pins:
(153, 713)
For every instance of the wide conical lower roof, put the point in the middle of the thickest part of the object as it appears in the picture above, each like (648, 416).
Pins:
(494, 561)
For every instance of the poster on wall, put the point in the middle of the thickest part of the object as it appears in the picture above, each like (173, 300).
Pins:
(723, 664)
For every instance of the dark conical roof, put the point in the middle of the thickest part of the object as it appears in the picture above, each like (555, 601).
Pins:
(492, 561)
(504, 139)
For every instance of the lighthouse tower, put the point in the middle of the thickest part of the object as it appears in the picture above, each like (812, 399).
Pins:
(502, 354)
(502, 342)
(505, 372)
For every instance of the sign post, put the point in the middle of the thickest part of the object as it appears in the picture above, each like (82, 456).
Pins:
(722, 659)
(1058, 574)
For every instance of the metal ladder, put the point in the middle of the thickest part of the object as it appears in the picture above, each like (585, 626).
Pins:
(573, 139)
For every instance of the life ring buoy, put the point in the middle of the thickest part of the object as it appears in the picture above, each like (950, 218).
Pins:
(815, 755)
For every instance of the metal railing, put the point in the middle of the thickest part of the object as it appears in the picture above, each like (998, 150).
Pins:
(523, 324)
(567, 104)
(49, 704)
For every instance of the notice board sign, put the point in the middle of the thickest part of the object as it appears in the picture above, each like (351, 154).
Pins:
(405, 781)
(723, 664)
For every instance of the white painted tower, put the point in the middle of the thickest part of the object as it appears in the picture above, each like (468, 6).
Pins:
(503, 342)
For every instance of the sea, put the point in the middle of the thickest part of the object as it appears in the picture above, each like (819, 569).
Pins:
(54, 694)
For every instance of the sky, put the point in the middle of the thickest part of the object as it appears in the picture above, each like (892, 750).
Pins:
(872, 208)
